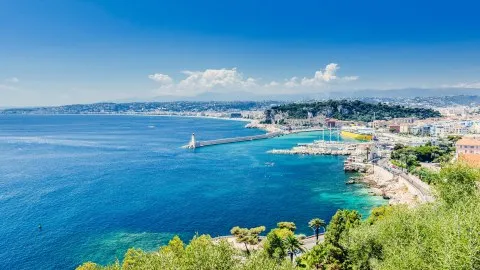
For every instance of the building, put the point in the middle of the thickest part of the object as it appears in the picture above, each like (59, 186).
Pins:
(439, 131)
(379, 124)
(405, 120)
(331, 123)
(471, 159)
(404, 128)
(468, 146)
(394, 128)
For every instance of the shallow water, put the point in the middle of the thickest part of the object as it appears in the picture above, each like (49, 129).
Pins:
(100, 184)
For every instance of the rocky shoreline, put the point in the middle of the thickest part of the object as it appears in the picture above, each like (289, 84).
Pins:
(383, 183)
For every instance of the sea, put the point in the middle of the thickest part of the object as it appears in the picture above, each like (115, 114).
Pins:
(76, 188)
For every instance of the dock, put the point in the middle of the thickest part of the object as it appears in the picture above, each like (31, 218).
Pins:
(320, 147)
(197, 144)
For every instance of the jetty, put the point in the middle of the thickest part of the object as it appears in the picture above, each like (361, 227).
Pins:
(197, 144)
(323, 148)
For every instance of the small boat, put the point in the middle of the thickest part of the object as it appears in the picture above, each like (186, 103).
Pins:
(269, 164)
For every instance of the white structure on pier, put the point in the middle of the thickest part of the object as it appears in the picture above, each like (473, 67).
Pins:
(193, 143)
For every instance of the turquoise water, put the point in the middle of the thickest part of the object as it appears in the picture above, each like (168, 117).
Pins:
(100, 184)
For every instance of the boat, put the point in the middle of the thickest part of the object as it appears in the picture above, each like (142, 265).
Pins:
(357, 133)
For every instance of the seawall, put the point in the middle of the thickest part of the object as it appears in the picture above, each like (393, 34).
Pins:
(234, 140)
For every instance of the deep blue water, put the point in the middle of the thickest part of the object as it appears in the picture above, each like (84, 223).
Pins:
(100, 184)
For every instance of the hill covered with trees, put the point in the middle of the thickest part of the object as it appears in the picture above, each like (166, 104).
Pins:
(351, 110)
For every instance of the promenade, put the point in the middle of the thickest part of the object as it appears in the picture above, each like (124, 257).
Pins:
(420, 188)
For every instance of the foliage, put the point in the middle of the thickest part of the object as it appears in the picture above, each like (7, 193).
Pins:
(379, 213)
(439, 235)
(201, 253)
(287, 225)
(352, 110)
(426, 175)
(247, 236)
(89, 266)
(316, 224)
(274, 244)
(332, 253)
(409, 157)
(292, 245)
(456, 182)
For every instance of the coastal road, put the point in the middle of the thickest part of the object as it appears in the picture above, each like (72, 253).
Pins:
(310, 242)
(421, 187)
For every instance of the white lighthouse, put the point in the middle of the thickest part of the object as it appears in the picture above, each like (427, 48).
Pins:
(193, 143)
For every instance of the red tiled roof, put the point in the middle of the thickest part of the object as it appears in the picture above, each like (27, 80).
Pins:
(470, 159)
(468, 141)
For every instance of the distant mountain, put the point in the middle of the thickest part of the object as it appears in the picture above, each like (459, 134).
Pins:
(394, 93)
(239, 96)
(406, 93)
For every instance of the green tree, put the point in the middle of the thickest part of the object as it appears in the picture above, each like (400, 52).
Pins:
(176, 246)
(316, 224)
(293, 245)
(457, 182)
(247, 236)
(133, 258)
(274, 244)
(332, 253)
(287, 225)
(89, 266)
(341, 222)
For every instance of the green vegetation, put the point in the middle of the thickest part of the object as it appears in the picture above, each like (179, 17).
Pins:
(409, 157)
(200, 253)
(287, 225)
(316, 224)
(293, 245)
(275, 245)
(350, 110)
(247, 236)
(439, 235)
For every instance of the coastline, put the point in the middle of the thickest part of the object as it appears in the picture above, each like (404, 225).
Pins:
(138, 114)
(383, 183)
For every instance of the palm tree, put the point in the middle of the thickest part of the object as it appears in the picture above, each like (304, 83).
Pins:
(316, 224)
(292, 245)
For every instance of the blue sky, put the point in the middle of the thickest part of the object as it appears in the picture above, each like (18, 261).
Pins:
(64, 51)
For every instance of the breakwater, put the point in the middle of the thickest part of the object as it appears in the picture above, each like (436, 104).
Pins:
(197, 144)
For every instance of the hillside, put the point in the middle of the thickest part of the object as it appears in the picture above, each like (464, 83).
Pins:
(351, 110)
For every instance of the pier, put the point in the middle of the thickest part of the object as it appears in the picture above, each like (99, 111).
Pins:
(197, 144)
(336, 148)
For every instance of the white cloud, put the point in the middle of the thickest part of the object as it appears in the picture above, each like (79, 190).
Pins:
(224, 79)
(471, 85)
(161, 78)
(325, 76)
(213, 78)
(272, 84)
(292, 82)
(12, 80)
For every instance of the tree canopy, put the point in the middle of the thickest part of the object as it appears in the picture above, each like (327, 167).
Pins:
(351, 110)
